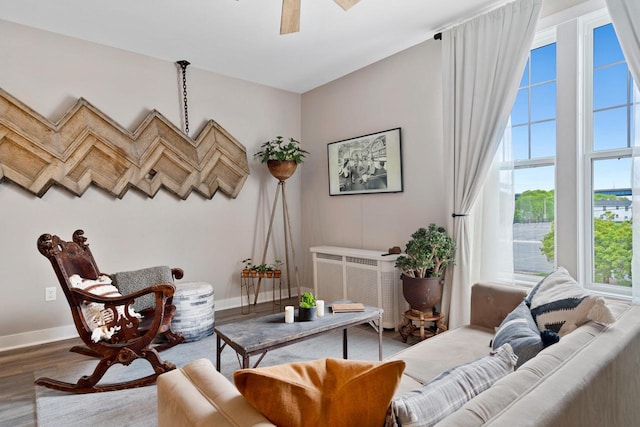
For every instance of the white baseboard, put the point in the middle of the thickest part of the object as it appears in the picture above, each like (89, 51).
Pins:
(42, 336)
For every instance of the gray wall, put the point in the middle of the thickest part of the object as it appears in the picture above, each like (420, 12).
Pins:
(207, 238)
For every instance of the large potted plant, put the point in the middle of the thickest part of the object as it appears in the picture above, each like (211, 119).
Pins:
(281, 157)
(425, 259)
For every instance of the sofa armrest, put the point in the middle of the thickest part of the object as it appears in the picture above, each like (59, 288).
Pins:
(491, 302)
(198, 395)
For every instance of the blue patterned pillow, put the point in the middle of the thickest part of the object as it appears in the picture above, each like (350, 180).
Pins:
(559, 304)
(449, 391)
(520, 331)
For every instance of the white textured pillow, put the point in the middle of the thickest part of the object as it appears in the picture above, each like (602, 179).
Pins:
(94, 313)
(449, 391)
(559, 304)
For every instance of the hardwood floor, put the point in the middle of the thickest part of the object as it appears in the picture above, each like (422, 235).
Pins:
(18, 367)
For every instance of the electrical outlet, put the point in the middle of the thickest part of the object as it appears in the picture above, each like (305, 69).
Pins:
(50, 294)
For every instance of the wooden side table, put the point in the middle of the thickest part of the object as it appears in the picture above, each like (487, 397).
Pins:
(408, 328)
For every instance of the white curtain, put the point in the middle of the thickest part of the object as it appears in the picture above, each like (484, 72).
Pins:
(483, 61)
(491, 219)
(625, 16)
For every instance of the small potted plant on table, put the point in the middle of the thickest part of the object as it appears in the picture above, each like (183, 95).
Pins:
(307, 308)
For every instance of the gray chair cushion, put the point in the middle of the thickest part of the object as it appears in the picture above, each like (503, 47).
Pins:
(132, 281)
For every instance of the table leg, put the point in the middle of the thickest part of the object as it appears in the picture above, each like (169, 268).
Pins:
(245, 361)
(345, 352)
(380, 338)
(218, 351)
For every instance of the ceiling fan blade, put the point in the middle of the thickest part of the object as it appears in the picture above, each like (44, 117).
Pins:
(290, 21)
(346, 4)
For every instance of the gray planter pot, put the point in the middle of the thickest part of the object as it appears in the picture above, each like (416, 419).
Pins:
(306, 314)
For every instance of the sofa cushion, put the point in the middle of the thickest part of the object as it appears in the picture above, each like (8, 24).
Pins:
(450, 390)
(429, 358)
(322, 392)
(520, 331)
(558, 303)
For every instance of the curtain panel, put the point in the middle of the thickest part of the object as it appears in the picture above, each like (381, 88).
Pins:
(625, 16)
(483, 61)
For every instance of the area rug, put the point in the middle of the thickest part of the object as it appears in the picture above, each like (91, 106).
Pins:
(138, 407)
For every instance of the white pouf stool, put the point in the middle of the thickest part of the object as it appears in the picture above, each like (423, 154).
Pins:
(195, 314)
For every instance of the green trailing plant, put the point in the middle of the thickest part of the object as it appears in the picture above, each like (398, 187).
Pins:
(307, 300)
(279, 149)
(428, 253)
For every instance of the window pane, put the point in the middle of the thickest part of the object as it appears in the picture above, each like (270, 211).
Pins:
(543, 102)
(520, 142)
(520, 112)
(533, 220)
(610, 129)
(612, 231)
(606, 49)
(543, 139)
(610, 86)
(543, 64)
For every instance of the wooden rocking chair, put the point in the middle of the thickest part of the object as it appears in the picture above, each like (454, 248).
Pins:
(132, 337)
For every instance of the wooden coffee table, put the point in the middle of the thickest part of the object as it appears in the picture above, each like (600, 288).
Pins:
(261, 334)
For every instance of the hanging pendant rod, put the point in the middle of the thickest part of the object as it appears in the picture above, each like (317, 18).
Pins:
(183, 65)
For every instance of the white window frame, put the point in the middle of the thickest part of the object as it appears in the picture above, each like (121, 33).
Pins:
(542, 38)
(587, 24)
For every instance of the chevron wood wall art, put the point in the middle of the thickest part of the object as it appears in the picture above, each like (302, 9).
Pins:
(87, 147)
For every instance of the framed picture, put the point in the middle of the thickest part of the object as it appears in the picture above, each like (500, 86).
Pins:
(366, 164)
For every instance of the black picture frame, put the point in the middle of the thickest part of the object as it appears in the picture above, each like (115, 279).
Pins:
(367, 164)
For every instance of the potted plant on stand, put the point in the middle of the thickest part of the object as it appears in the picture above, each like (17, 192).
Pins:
(282, 157)
(427, 255)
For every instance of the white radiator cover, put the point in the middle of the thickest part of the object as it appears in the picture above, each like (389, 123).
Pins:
(359, 275)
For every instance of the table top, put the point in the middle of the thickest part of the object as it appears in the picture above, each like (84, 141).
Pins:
(260, 333)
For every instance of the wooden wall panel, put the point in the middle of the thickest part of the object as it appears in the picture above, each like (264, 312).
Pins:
(87, 147)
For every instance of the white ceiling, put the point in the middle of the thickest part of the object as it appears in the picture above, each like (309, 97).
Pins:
(240, 38)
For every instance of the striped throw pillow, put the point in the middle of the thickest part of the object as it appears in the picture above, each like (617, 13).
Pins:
(559, 304)
(449, 391)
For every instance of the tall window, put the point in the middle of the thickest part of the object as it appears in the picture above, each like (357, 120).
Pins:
(609, 128)
(533, 133)
(587, 142)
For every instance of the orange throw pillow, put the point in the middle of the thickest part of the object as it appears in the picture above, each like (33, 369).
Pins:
(325, 392)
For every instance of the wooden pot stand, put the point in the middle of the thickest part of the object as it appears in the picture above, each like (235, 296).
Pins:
(408, 328)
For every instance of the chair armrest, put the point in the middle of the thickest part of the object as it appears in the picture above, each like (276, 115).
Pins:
(177, 273)
(165, 290)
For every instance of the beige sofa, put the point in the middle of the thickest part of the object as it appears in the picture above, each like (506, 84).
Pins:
(590, 378)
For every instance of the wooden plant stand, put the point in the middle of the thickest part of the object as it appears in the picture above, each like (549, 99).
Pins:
(408, 328)
(288, 242)
(248, 289)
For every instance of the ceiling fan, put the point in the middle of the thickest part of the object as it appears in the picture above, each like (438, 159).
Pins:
(290, 21)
